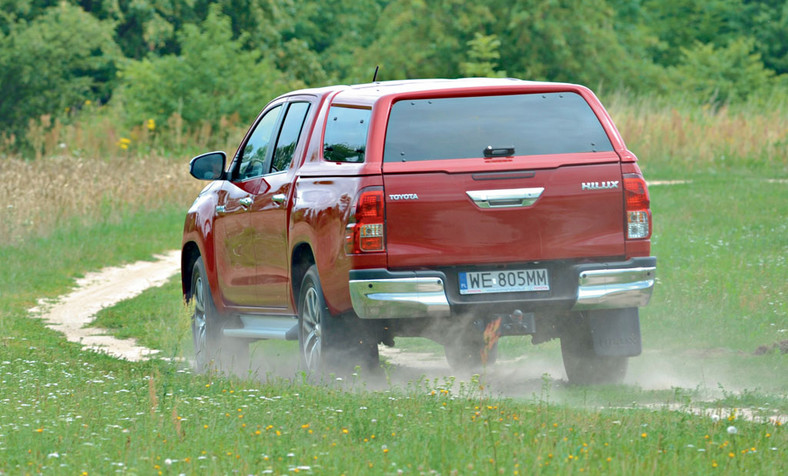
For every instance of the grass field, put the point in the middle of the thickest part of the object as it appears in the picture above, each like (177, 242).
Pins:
(721, 242)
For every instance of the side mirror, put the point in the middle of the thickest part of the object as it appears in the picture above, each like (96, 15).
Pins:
(209, 166)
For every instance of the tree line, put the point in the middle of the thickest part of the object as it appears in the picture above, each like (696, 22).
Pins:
(209, 59)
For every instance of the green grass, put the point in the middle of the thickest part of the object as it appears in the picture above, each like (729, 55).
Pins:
(158, 318)
(722, 248)
(65, 411)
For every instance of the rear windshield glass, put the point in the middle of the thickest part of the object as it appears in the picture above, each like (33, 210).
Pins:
(462, 128)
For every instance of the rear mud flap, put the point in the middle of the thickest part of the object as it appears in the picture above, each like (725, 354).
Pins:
(615, 332)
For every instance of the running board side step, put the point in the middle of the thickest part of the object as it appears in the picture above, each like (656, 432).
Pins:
(266, 327)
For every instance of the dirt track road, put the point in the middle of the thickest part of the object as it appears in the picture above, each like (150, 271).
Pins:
(72, 312)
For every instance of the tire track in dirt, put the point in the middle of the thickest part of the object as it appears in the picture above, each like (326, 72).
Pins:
(72, 312)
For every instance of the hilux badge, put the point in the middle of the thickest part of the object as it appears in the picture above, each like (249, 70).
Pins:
(600, 185)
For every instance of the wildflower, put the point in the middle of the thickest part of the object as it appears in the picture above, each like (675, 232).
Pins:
(715, 418)
(643, 435)
(88, 102)
(124, 143)
(151, 125)
(731, 454)
(732, 430)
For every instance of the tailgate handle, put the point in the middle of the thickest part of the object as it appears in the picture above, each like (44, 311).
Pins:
(515, 197)
(491, 151)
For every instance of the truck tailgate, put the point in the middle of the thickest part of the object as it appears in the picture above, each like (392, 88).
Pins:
(437, 218)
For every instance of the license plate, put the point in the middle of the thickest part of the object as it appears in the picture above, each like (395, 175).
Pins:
(504, 281)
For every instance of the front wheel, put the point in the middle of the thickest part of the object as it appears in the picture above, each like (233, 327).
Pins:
(212, 351)
(328, 343)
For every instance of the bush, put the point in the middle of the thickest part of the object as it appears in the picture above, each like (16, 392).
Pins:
(213, 77)
(721, 75)
(54, 64)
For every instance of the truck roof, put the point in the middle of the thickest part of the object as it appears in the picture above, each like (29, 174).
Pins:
(369, 93)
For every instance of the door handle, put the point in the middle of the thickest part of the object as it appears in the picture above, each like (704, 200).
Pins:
(246, 202)
(279, 198)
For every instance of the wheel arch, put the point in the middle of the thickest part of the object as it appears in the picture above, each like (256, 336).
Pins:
(302, 258)
(189, 256)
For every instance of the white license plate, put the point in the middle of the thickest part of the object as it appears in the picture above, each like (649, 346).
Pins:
(504, 281)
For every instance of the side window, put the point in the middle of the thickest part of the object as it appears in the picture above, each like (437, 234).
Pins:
(288, 137)
(256, 148)
(346, 134)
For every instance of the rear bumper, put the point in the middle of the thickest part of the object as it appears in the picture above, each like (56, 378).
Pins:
(614, 288)
(384, 294)
(380, 294)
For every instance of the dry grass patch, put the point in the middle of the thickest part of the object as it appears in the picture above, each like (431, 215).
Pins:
(42, 194)
(680, 140)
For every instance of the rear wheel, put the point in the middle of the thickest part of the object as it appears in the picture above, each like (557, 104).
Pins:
(212, 351)
(583, 366)
(328, 343)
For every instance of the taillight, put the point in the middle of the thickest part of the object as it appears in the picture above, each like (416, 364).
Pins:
(366, 230)
(637, 205)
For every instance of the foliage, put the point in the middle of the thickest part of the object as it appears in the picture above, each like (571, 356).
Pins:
(204, 59)
(724, 74)
(53, 64)
(211, 78)
(484, 57)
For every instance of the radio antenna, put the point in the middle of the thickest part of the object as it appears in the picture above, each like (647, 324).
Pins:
(375, 76)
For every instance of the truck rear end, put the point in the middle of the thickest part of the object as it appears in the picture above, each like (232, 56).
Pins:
(507, 208)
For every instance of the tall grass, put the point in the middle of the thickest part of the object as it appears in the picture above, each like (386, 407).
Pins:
(679, 139)
(38, 196)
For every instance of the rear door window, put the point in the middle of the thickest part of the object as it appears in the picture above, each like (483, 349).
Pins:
(346, 134)
(462, 128)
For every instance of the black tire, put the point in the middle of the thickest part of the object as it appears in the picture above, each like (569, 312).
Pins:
(465, 352)
(583, 366)
(213, 351)
(327, 343)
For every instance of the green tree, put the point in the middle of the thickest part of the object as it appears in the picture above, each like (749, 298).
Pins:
(681, 23)
(423, 38)
(212, 77)
(767, 22)
(484, 56)
(724, 74)
(54, 63)
(336, 32)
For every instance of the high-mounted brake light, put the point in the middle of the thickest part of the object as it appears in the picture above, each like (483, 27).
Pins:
(637, 205)
(366, 228)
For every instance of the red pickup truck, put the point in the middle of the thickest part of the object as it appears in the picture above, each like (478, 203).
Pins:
(458, 210)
